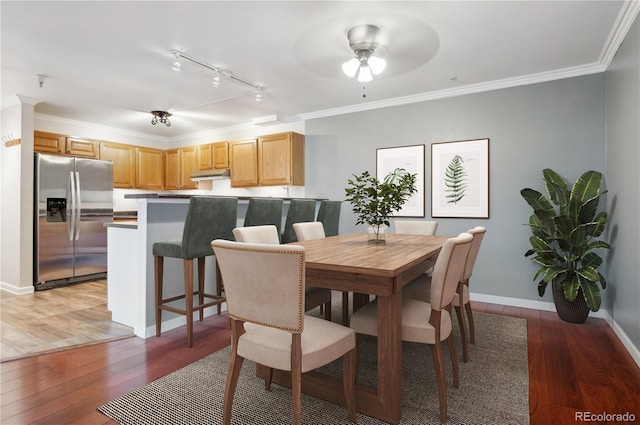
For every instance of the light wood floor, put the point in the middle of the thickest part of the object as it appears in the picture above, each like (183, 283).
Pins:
(56, 319)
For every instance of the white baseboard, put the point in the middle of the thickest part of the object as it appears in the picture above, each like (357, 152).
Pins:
(18, 290)
(549, 306)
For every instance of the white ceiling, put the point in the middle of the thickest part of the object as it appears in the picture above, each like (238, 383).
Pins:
(109, 63)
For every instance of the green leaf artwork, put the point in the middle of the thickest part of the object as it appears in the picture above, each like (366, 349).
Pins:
(455, 180)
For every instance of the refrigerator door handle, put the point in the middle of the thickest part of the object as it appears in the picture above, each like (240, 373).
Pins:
(78, 206)
(72, 190)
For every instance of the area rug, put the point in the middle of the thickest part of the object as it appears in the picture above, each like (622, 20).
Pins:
(494, 387)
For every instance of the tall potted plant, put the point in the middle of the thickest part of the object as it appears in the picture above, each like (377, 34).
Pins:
(564, 231)
(374, 201)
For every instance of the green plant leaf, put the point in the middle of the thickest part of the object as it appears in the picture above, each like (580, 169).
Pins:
(600, 221)
(542, 286)
(571, 286)
(587, 211)
(591, 259)
(588, 273)
(556, 187)
(586, 187)
(592, 295)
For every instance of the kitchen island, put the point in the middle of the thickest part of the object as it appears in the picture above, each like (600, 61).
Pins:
(130, 273)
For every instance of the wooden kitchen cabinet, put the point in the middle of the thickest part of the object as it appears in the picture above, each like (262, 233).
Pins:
(221, 155)
(49, 142)
(179, 165)
(281, 159)
(123, 158)
(243, 156)
(82, 147)
(205, 157)
(149, 168)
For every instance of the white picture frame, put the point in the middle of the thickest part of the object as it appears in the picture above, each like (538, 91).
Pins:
(411, 158)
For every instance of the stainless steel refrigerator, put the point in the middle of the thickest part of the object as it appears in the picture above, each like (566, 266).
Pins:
(73, 200)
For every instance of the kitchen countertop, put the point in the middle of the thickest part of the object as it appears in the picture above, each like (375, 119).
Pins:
(182, 196)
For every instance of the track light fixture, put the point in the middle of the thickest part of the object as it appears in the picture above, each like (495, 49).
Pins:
(161, 117)
(363, 40)
(177, 62)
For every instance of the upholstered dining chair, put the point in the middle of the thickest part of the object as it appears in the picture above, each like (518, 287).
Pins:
(329, 216)
(315, 230)
(268, 234)
(270, 327)
(416, 227)
(420, 289)
(208, 218)
(300, 210)
(429, 322)
(261, 211)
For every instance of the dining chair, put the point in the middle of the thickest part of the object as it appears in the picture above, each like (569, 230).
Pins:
(268, 234)
(329, 216)
(315, 230)
(429, 322)
(420, 289)
(208, 218)
(417, 227)
(270, 327)
(261, 211)
(300, 210)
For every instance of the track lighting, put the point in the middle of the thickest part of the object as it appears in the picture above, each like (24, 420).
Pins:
(177, 62)
(215, 82)
(161, 117)
(363, 40)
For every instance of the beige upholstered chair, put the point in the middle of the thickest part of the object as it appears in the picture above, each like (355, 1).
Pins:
(429, 323)
(270, 327)
(315, 230)
(416, 227)
(268, 234)
(420, 289)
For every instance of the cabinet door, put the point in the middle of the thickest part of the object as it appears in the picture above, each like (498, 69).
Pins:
(188, 164)
(149, 168)
(221, 155)
(244, 163)
(48, 142)
(172, 169)
(281, 159)
(205, 157)
(80, 147)
(124, 163)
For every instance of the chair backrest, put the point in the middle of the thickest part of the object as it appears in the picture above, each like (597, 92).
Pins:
(329, 216)
(267, 234)
(264, 211)
(309, 231)
(448, 269)
(247, 269)
(208, 218)
(300, 210)
(478, 234)
(416, 227)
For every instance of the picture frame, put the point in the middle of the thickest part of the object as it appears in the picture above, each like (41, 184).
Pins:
(412, 159)
(460, 179)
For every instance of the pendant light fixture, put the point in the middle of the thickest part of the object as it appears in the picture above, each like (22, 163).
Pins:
(363, 40)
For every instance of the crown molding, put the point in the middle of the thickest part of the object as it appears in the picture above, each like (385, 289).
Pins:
(621, 27)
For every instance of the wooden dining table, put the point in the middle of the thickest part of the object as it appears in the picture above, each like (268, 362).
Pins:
(348, 263)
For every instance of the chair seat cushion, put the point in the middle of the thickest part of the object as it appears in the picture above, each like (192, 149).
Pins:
(315, 296)
(171, 248)
(415, 321)
(420, 289)
(322, 343)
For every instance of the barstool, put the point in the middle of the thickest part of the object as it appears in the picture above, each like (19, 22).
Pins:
(329, 216)
(261, 211)
(208, 218)
(300, 211)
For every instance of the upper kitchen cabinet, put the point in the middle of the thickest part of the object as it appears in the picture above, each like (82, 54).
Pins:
(124, 163)
(243, 156)
(205, 157)
(281, 159)
(49, 142)
(82, 147)
(179, 165)
(149, 168)
(220, 155)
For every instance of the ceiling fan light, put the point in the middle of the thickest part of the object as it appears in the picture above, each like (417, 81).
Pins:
(364, 76)
(351, 67)
(377, 64)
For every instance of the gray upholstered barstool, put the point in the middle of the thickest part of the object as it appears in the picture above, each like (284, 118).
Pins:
(300, 211)
(261, 211)
(208, 218)
(329, 216)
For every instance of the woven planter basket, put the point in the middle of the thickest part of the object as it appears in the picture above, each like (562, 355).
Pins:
(575, 311)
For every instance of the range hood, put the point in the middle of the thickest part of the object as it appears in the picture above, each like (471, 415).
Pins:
(213, 174)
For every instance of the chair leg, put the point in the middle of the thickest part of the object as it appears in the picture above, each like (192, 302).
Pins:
(219, 286)
(327, 310)
(349, 381)
(158, 263)
(463, 334)
(296, 376)
(472, 331)
(454, 361)
(201, 286)
(188, 298)
(232, 380)
(436, 351)
(268, 380)
(345, 308)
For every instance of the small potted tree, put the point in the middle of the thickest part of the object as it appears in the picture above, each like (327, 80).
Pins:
(374, 201)
(564, 231)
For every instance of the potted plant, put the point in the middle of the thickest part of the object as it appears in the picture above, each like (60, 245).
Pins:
(374, 201)
(564, 231)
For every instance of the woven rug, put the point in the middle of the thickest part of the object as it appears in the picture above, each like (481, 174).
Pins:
(494, 387)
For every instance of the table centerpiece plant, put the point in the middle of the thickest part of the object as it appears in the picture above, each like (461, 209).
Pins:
(565, 227)
(374, 201)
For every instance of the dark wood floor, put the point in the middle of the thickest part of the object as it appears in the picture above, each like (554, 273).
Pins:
(572, 368)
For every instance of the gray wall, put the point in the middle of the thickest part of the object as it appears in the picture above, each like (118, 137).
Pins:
(560, 125)
(623, 183)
